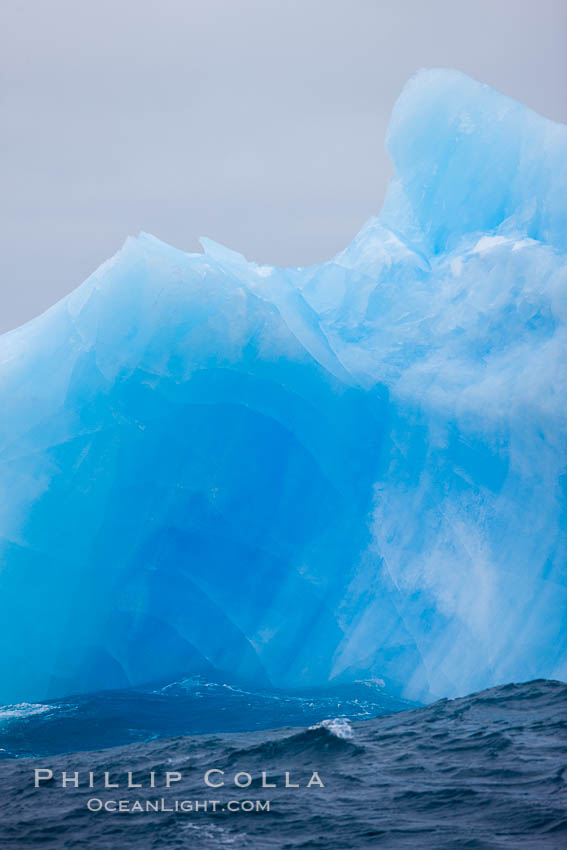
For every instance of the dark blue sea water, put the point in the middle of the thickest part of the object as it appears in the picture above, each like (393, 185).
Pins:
(189, 706)
(486, 771)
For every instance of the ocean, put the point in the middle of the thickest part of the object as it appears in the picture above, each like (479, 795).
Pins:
(485, 771)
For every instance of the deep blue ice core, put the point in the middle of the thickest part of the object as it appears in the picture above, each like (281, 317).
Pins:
(355, 470)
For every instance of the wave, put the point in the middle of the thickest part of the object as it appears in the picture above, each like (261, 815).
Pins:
(485, 771)
(188, 705)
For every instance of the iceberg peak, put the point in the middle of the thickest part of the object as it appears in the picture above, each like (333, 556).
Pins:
(467, 158)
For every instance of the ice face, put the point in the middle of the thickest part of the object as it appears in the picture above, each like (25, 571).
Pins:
(352, 470)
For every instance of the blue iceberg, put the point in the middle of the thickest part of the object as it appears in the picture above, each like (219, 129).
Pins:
(349, 471)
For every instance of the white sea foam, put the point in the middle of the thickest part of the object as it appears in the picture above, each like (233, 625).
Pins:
(337, 726)
(23, 709)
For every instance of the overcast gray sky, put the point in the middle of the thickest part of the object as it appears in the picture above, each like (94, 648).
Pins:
(259, 123)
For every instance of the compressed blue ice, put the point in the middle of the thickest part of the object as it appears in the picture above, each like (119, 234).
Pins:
(355, 470)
